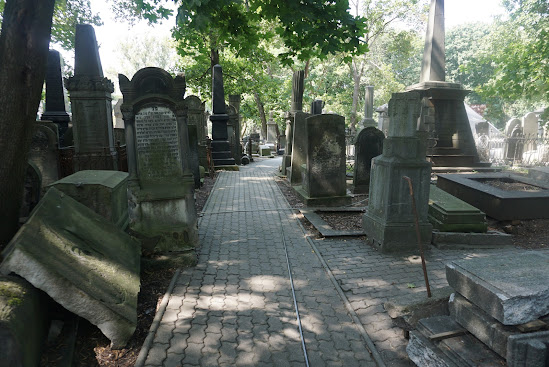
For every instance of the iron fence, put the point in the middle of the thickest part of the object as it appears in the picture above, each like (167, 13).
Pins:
(527, 150)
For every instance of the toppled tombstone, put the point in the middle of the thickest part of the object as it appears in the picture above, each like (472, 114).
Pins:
(23, 322)
(82, 261)
(100, 190)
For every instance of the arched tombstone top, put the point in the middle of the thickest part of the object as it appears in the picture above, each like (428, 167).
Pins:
(530, 124)
(192, 102)
(150, 82)
(510, 126)
(45, 136)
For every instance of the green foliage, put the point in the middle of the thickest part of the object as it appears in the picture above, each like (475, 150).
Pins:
(67, 14)
(131, 10)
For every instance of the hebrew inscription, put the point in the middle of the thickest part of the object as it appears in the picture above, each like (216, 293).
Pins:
(158, 148)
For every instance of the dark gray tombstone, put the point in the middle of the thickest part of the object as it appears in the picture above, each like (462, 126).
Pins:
(297, 106)
(368, 145)
(160, 184)
(56, 98)
(515, 144)
(221, 149)
(389, 221)
(232, 126)
(91, 103)
(323, 174)
(234, 100)
(316, 107)
(197, 139)
(299, 148)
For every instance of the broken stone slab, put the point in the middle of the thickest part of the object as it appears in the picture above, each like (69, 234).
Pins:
(440, 341)
(82, 261)
(513, 290)
(529, 350)
(409, 309)
(457, 240)
(23, 322)
(105, 192)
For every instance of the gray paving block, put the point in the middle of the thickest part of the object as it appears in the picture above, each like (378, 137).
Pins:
(513, 290)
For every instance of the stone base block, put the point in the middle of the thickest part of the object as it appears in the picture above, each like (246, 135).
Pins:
(529, 350)
(395, 237)
(458, 240)
(23, 322)
(322, 201)
(513, 290)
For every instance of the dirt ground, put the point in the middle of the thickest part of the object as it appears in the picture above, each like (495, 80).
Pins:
(92, 347)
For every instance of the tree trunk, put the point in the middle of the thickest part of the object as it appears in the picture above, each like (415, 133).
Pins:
(357, 71)
(261, 114)
(24, 43)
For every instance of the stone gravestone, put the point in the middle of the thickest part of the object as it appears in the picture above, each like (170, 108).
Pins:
(234, 100)
(197, 138)
(316, 107)
(389, 219)
(530, 127)
(511, 125)
(515, 144)
(323, 173)
(221, 149)
(368, 109)
(299, 148)
(44, 151)
(91, 103)
(232, 124)
(368, 145)
(56, 99)
(272, 131)
(160, 183)
(297, 105)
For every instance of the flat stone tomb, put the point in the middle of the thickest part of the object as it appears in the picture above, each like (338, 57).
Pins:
(450, 214)
(502, 196)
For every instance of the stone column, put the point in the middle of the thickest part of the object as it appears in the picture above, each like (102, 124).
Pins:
(221, 150)
(91, 101)
(234, 100)
(368, 109)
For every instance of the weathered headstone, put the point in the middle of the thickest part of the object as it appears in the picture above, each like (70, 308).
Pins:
(232, 126)
(44, 151)
(56, 99)
(515, 144)
(160, 184)
(91, 104)
(272, 131)
(513, 290)
(81, 260)
(221, 149)
(530, 125)
(511, 125)
(324, 179)
(104, 192)
(389, 220)
(299, 148)
(32, 190)
(368, 145)
(316, 107)
(118, 119)
(368, 109)
(234, 100)
(297, 106)
(196, 124)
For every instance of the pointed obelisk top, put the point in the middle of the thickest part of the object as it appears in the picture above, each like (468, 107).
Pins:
(434, 61)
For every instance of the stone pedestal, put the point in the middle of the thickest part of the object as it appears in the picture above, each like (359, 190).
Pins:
(389, 220)
(160, 184)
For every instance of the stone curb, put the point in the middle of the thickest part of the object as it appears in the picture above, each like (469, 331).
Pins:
(147, 344)
(369, 343)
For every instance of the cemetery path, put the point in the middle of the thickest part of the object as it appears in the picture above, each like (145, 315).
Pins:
(236, 307)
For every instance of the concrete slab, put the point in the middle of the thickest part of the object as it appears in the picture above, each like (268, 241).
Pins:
(455, 240)
(82, 261)
(512, 290)
(450, 214)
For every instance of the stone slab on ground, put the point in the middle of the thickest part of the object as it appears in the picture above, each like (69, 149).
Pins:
(540, 174)
(460, 350)
(82, 261)
(411, 308)
(529, 350)
(450, 214)
(513, 290)
(324, 228)
(104, 192)
(23, 322)
(321, 201)
(458, 240)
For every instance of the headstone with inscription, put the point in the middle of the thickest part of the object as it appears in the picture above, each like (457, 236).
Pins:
(197, 138)
(91, 103)
(56, 98)
(234, 100)
(232, 126)
(160, 184)
(368, 145)
(323, 174)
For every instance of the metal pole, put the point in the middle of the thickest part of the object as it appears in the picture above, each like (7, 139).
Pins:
(418, 236)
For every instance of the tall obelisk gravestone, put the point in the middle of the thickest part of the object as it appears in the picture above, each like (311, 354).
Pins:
(297, 106)
(91, 103)
(451, 141)
(55, 110)
(221, 148)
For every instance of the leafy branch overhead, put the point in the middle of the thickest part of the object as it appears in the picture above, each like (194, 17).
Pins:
(307, 28)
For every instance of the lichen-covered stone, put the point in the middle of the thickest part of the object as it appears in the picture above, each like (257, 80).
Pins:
(82, 261)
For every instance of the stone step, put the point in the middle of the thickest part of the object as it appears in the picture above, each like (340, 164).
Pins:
(451, 351)
(450, 214)
(513, 290)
